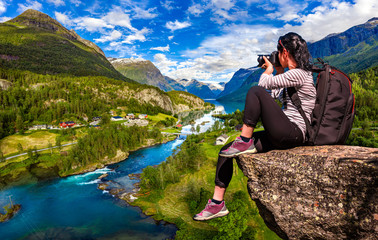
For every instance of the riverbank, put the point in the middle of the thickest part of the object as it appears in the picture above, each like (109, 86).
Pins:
(176, 201)
(49, 165)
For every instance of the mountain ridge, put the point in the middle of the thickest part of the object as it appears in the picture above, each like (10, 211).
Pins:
(336, 43)
(141, 71)
(38, 19)
(36, 42)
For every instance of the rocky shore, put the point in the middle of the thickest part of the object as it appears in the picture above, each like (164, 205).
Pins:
(119, 192)
(10, 212)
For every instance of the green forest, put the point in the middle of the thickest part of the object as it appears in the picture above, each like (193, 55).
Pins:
(49, 99)
(365, 89)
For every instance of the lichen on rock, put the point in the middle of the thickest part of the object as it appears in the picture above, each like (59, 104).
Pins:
(319, 192)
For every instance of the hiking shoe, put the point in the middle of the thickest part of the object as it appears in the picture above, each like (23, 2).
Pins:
(212, 210)
(238, 147)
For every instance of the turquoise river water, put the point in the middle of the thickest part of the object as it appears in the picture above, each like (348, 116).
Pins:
(74, 208)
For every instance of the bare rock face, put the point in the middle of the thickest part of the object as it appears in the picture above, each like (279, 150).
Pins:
(321, 192)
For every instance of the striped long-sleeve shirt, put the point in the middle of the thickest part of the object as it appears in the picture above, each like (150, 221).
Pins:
(303, 82)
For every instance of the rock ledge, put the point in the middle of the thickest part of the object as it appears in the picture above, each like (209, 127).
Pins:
(321, 192)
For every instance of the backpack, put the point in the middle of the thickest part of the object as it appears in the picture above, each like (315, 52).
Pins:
(333, 114)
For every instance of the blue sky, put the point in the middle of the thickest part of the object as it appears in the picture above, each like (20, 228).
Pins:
(203, 39)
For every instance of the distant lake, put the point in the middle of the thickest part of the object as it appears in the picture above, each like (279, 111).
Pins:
(229, 107)
(73, 207)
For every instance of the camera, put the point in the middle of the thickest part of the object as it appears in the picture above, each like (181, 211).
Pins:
(273, 58)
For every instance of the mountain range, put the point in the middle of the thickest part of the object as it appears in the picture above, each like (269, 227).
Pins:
(351, 51)
(145, 72)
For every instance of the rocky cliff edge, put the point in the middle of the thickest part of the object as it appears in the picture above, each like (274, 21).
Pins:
(321, 192)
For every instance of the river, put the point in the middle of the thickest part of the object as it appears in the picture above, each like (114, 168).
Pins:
(74, 208)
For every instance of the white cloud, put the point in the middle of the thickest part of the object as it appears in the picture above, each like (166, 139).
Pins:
(63, 19)
(114, 35)
(92, 24)
(4, 19)
(76, 2)
(331, 18)
(94, 8)
(3, 7)
(223, 4)
(163, 63)
(167, 4)
(122, 50)
(196, 9)
(114, 18)
(170, 37)
(29, 5)
(139, 9)
(118, 17)
(163, 49)
(139, 35)
(173, 26)
(222, 10)
(286, 11)
(57, 3)
(139, 13)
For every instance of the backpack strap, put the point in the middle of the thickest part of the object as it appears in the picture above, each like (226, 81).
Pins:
(293, 94)
(318, 66)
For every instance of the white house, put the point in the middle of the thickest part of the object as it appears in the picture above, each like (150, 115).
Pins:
(117, 118)
(142, 116)
(138, 122)
(38, 127)
(97, 122)
(222, 139)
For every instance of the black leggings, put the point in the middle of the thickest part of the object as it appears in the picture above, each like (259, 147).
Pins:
(279, 132)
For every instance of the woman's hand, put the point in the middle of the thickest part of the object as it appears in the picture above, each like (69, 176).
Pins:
(267, 66)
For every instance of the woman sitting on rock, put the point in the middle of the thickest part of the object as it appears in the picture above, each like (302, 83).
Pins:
(283, 128)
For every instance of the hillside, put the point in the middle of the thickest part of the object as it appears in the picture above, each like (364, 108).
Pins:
(35, 42)
(351, 51)
(340, 42)
(240, 93)
(44, 99)
(174, 84)
(141, 71)
(236, 81)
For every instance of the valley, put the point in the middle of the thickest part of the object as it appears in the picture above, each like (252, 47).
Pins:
(87, 124)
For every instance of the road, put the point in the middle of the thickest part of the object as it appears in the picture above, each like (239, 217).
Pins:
(40, 150)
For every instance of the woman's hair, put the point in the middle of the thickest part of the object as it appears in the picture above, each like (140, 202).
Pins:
(297, 47)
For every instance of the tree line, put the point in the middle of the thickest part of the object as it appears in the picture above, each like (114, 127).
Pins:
(100, 143)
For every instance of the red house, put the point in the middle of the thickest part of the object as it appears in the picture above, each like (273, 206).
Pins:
(67, 124)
